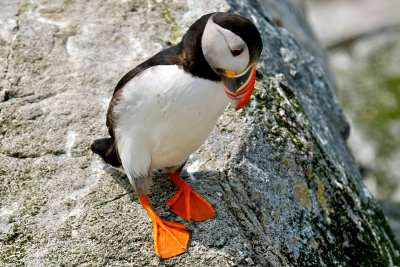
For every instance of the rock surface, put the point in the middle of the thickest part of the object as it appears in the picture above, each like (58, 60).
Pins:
(363, 52)
(279, 174)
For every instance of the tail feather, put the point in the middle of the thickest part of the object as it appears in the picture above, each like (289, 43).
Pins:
(107, 149)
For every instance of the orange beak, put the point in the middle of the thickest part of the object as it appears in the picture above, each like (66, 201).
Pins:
(239, 89)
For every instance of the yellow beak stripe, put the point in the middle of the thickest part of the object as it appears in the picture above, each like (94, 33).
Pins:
(230, 73)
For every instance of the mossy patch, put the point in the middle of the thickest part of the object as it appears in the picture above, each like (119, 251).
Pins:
(320, 193)
(175, 33)
(302, 193)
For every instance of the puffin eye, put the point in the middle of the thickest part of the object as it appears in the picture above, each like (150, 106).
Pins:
(236, 52)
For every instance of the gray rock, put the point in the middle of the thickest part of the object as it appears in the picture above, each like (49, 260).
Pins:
(278, 173)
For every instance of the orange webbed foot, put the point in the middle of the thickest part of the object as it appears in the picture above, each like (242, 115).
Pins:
(170, 239)
(187, 204)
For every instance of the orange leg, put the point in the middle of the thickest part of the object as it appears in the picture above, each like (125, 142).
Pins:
(170, 239)
(188, 204)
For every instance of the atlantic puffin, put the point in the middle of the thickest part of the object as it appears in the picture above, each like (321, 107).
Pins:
(165, 108)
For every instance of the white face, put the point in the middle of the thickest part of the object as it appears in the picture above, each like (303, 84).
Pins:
(218, 44)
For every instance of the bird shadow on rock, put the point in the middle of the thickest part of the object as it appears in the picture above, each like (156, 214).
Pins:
(217, 234)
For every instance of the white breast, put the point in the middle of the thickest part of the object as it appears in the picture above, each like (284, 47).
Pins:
(163, 116)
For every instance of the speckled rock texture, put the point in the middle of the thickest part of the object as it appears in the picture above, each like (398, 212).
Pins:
(279, 173)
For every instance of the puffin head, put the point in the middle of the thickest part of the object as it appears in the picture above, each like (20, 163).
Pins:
(231, 45)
